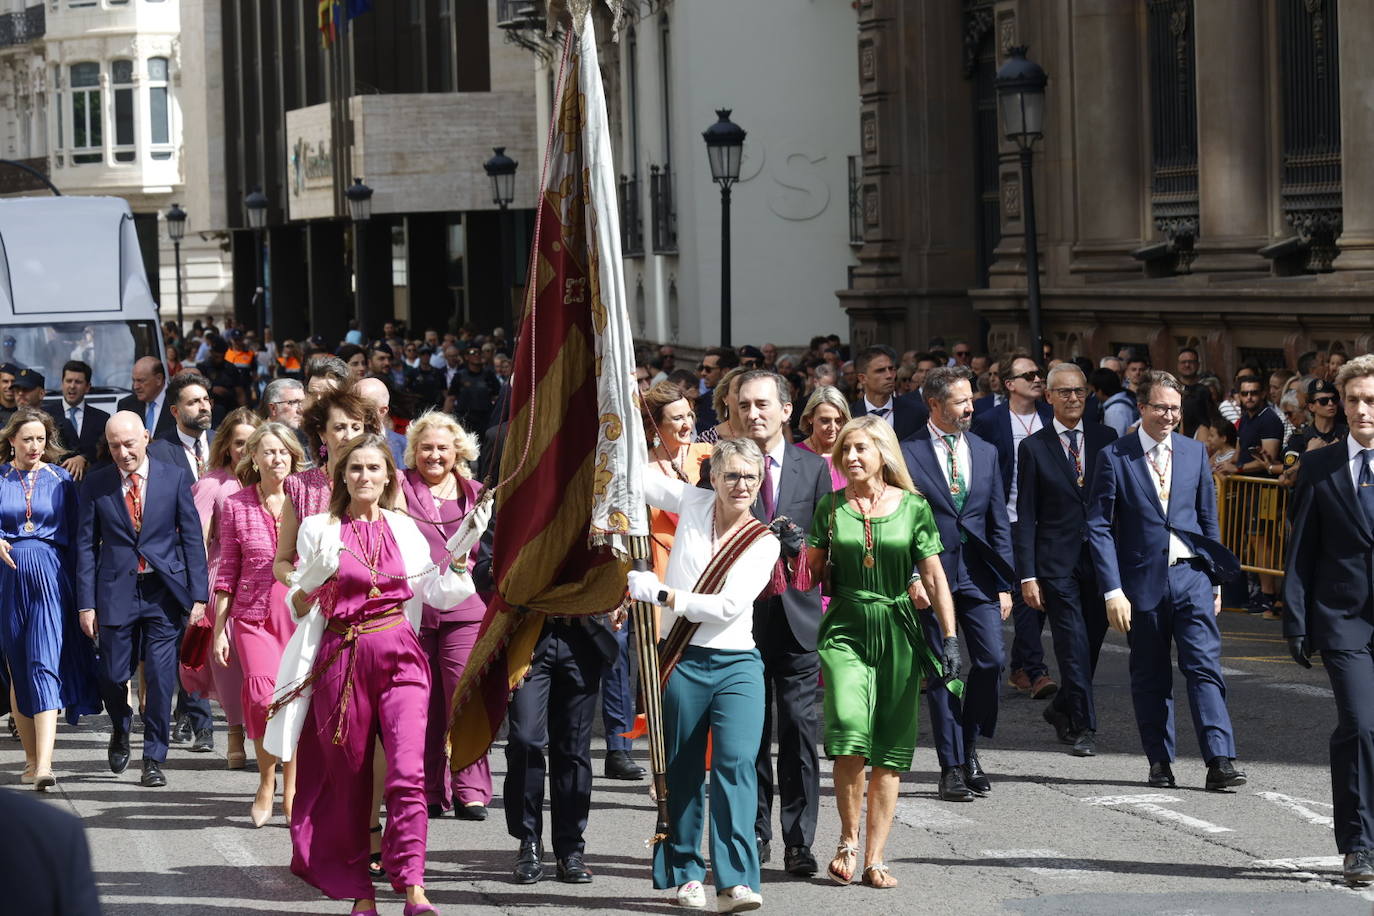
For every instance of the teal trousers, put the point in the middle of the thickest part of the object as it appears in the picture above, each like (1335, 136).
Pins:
(716, 692)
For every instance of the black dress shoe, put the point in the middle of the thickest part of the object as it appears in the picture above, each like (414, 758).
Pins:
(1063, 725)
(435, 812)
(952, 785)
(1222, 774)
(1085, 745)
(974, 776)
(1359, 866)
(572, 871)
(152, 775)
(205, 741)
(765, 850)
(119, 752)
(470, 812)
(528, 868)
(1161, 776)
(619, 765)
(181, 730)
(799, 862)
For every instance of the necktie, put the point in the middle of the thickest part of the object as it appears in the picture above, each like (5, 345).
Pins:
(150, 417)
(71, 418)
(200, 459)
(770, 499)
(1077, 455)
(957, 490)
(1366, 487)
(881, 412)
(134, 503)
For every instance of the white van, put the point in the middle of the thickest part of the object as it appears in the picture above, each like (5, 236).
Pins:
(73, 286)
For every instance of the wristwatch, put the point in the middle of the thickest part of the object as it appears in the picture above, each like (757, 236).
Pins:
(662, 596)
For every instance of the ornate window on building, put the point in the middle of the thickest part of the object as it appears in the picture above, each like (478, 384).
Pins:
(87, 133)
(1173, 125)
(1310, 106)
(125, 126)
(159, 108)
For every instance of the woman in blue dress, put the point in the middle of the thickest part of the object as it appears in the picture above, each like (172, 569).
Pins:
(50, 666)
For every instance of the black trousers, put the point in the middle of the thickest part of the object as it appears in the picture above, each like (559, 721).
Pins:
(1352, 746)
(1078, 623)
(790, 678)
(554, 706)
(152, 633)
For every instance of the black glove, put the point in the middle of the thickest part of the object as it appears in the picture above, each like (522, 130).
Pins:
(953, 660)
(789, 535)
(1301, 650)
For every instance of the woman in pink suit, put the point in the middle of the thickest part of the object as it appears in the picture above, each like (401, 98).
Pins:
(209, 493)
(365, 575)
(440, 492)
(246, 594)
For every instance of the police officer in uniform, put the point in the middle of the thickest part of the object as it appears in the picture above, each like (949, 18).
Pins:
(1327, 426)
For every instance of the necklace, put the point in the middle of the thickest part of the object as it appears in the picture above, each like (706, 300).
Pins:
(717, 538)
(275, 516)
(29, 484)
(1161, 474)
(1027, 426)
(1077, 454)
(955, 478)
(675, 463)
(867, 514)
(369, 548)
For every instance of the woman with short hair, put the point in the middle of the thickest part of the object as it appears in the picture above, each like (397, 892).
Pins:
(825, 413)
(723, 402)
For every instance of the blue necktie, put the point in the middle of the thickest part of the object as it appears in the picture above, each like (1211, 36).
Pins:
(1366, 488)
(149, 418)
(1077, 455)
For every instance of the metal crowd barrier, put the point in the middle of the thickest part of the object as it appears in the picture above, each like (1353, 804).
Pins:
(1252, 513)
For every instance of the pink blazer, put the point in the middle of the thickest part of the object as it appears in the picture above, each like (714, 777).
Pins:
(248, 542)
(209, 494)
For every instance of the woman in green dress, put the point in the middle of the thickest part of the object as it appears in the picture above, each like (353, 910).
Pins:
(880, 541)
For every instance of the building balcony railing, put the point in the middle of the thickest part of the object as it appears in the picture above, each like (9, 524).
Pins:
(22, 27)
(520, 14)
(663, 211)
(631, 218)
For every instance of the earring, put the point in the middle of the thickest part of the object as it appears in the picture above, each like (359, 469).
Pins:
(656, 441)
(255, 467)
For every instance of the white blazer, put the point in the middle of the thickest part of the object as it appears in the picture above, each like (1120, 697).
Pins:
(441, 589)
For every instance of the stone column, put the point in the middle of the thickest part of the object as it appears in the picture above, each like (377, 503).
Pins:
(1357, 127)
(1233, 140)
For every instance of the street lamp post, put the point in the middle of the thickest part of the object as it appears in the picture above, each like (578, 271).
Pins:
(1020, 85)
(500, 168)
(176, 230)
(359, 198)
(724, 148)
(255, 205)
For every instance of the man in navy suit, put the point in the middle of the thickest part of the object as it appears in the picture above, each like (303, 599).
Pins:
(877, 371)
(1152, 528)
(1006, 426)
(140, 567)
(1054, 478)
(1329, 605)
(149, 399)
(958, 474)
(80, 424)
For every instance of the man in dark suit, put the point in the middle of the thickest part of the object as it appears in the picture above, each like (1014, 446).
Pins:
(1006, 426)
(877, 370)
(149, 399)
(81, 425)
(46, 866)
(1152, 528)
(1329, 606)
(187, 442)
(958, 473)
(1054, 477)
(785, 628)
(140, 567)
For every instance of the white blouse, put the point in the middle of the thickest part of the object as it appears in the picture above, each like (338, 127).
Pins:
(727, 617)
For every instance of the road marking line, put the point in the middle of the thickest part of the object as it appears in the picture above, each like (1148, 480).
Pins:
(1306, 690)
(1299, 807)
(927, 815)
(1326, 863)
(1151, 804)
(1019, 858)
(241, 857)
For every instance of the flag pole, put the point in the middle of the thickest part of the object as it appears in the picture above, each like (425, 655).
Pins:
(644, 616)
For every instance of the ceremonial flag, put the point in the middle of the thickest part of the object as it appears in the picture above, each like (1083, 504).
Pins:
(334, 16)
(569, 497)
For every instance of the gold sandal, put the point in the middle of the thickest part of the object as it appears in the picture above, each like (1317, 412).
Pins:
(847, 855)
(882, 878)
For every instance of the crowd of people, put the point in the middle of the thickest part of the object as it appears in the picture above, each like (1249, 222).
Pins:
(301, 535)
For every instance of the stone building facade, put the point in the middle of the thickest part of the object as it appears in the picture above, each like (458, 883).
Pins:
(1201, 180)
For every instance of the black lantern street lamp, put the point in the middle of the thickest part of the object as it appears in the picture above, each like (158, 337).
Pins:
(255, 205)
(500, 168)
(1020, 85)
(359, 198)
(176, 231)
(724, 148)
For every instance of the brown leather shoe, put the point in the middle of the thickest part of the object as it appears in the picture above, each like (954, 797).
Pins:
(1043, 687)
(1019, 680)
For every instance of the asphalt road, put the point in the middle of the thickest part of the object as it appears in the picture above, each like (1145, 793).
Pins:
(1057, 835)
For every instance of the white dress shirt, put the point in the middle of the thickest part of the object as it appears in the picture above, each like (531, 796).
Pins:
(1021, 429)
(961, 456)
(188, 445)
(870, 407)
(77, 419)
(1353, 457)
(127, 482)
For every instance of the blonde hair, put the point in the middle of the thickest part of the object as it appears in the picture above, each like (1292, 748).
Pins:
(464, 442)
(247, 472)
(722, 391)
(824, 394)
(224, 440)
(881, 435)
(1359, 367)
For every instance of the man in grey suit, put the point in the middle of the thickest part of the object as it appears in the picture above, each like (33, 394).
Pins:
(785, 627)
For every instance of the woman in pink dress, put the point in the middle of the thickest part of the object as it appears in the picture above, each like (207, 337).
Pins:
(209, 493)
(440, 493)
(825, 415)
(365, 575)
(246, 594)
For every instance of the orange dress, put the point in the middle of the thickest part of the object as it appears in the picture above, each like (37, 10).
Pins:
(663, 525)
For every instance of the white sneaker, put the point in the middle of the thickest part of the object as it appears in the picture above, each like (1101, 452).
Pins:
(691, 895)
(738, 899)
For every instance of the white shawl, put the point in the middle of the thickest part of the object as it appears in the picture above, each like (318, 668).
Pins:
(438, 588)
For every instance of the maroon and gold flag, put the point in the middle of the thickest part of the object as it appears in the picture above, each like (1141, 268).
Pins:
(568, 498)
